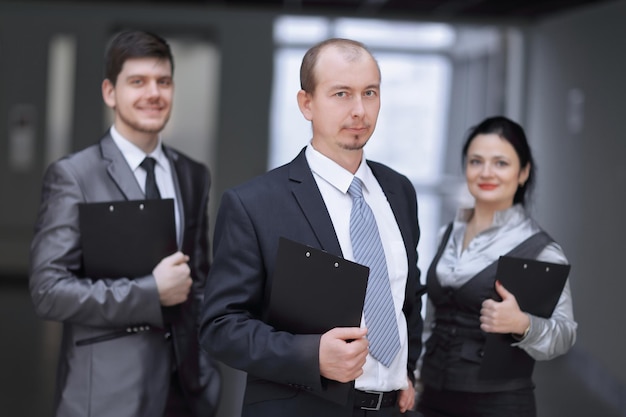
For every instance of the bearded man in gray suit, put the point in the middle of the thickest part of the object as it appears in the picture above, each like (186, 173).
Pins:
(156, 369)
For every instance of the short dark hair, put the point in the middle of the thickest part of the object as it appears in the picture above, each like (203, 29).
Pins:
(352, 48)
(513, 133)
(134, 44)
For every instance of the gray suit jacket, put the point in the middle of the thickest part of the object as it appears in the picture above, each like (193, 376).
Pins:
(283, 369)
(130, 375)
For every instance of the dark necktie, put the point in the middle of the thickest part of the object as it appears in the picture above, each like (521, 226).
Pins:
(378, 310)
(151, 190)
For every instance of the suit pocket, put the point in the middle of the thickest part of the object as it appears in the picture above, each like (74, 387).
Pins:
(115, 334)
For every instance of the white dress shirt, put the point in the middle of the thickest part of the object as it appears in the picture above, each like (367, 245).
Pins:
(162, 169)
(333, 182)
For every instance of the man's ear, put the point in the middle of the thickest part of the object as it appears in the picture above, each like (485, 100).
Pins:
(304, 103)
(108, 93)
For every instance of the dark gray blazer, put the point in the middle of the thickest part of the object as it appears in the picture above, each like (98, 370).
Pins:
(283, 369)
(125, 376)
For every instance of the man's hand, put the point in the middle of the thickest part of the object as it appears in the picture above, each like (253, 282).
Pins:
(406, 398)
(342, 353)
(173, 279)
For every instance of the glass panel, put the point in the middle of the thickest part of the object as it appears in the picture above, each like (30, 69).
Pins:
(429, 213)
(300, 29)
(289, 130)
(60, 96)
(410, 135)
(394, 34)
(192, 126)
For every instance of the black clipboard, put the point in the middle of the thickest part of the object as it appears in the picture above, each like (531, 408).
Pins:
(537, 287)
(126, 238)
(314, 291)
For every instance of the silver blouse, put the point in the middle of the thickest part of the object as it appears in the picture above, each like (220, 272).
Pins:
(547, 338)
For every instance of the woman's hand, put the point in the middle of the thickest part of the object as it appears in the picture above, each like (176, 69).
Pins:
(503, 316)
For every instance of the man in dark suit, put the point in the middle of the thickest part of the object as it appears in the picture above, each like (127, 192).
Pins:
(129, 345)
(307, 200)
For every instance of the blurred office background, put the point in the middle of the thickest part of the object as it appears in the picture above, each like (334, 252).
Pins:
(557, 67)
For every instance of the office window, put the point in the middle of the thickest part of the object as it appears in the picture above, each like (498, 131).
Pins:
(60, 96)
(411, 130)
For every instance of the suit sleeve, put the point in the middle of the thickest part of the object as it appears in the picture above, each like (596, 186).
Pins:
(414, 288)
(232, 329)
(58, 291)
(200, 245)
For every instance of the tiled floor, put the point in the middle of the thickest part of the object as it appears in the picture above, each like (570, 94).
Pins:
(28, 349)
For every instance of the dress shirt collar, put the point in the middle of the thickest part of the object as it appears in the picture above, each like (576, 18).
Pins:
(133, 154)
(336, 175)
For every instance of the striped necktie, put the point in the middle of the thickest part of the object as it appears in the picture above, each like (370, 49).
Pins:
(368, 250)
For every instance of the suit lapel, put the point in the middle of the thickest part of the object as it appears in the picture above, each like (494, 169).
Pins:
(311, 203)
(396, 200)
(119, 170)
(182, 197)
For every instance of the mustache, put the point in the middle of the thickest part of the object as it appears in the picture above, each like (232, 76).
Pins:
(358, 126)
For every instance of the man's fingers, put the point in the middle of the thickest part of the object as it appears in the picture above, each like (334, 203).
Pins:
(176, 258)
(347, 333)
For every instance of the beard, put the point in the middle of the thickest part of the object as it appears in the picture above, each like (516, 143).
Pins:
(356, 145)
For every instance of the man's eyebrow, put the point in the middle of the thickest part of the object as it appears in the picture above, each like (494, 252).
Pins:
(346, 87)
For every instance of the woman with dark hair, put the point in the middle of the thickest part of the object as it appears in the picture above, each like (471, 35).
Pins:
(466, 303)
